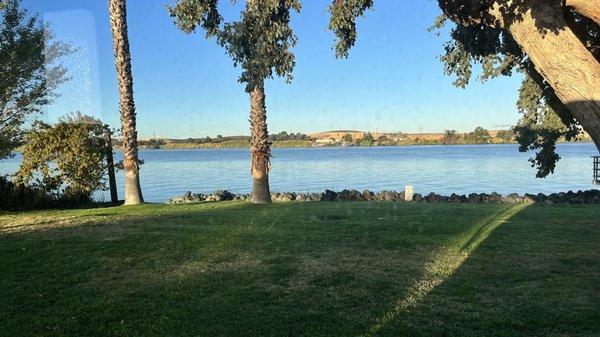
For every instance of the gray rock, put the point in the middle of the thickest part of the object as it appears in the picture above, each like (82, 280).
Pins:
(455, 198)
(389, 196)
(301, 197)
(344, 195)
(283, 197)
(474, 198)
(198, 197)
(432, 197)
(316, 197)
(368, 195)
(329, 195)
(512, 198)
(356, 196)
(570, 197)
(495, 198)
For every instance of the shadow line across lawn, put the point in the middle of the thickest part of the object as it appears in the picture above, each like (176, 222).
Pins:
(445, 264)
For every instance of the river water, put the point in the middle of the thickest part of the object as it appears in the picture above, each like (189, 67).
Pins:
(440, 169)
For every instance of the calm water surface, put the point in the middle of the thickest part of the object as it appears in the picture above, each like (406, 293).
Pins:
(441, 169)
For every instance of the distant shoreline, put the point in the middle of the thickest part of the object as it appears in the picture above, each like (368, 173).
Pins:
(312, 145)
(342, 138)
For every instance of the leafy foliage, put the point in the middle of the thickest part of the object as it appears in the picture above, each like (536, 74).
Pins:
(29, 71)
(343, 22)
(18, 197)
(545, 118)
(478, 136)
(478, 38)
(506, 135)
(366, 140)
(545, 121)
(285, 136)
(67, 158)
(189, 14)
(450, 137)
(154, 143)
(260, 42)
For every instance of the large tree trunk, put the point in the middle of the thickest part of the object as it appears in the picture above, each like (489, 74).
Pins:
(118, 24)
(559, 56)
(260, 147)
(589, 8)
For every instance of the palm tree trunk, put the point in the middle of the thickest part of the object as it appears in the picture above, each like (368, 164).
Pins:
(260, 147)
(118, 24)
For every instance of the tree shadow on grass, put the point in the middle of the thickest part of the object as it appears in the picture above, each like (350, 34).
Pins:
(526, 277)
(238, 269)
(446, 263)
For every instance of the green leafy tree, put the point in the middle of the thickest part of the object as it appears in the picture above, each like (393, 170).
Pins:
(450, 137)
(285, 136)
(478, 136)
(554, 43)
(260, 43)
(68, 157)
(29, 71)
(348, 138)
(154, 143)
(367, 139)
(343, 22)
(506, 135)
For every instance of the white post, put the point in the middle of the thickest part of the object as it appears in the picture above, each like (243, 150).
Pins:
(408, 193)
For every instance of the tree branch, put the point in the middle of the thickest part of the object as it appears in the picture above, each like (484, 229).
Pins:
(588, 8)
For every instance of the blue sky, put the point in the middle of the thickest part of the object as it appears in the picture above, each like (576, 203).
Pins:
(186, 86)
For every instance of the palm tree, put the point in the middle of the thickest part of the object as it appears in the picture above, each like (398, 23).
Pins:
(118, 25)
(260, 147)
(260, 42)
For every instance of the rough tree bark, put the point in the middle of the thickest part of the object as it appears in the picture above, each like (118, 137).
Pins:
(260, 147)
(589, 8)
(557, 54)
(118, 24)
(565, 63)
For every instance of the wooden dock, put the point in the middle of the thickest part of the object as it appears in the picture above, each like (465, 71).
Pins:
(596, 170)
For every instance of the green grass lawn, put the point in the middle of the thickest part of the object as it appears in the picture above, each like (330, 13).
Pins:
(302, 269)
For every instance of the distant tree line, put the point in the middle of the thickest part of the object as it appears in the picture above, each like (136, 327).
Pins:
(477, 136)
(284, 136)
(157, 143)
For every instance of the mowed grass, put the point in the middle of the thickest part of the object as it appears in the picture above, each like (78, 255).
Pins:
(302, 269)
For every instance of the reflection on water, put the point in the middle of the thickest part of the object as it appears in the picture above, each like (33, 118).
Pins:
(441, 169)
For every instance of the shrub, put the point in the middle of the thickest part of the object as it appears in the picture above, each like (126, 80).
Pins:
(66, 160)
(20, 197)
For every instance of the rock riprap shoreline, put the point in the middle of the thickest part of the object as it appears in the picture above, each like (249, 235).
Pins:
(579, 197)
